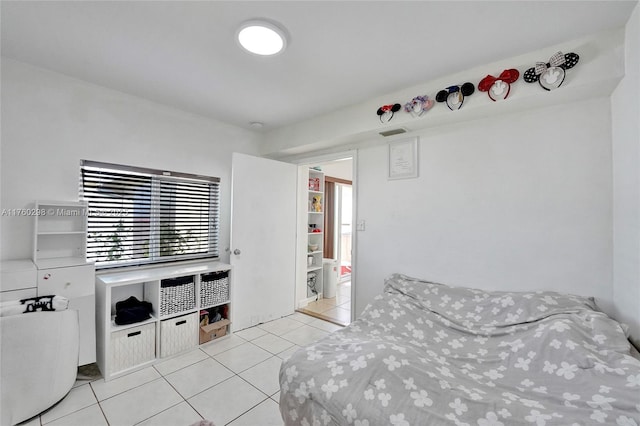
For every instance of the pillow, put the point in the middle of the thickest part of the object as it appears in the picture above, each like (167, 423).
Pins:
(476, 307)
(33, 304)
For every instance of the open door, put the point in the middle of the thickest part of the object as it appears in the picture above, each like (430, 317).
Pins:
(263, 239)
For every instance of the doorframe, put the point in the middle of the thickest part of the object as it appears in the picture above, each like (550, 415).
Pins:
(340, 192)
(324, 158)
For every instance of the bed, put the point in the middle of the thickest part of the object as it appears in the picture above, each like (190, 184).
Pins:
(429, 354)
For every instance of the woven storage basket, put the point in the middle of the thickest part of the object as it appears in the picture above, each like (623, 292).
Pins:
(214, 288)
(131, 347)
(177, 295)
(178, 334)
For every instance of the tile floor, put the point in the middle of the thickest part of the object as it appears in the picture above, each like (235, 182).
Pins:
(336, 309)
(233, 381)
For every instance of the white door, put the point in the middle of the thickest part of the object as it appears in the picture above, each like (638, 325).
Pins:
(263, 239)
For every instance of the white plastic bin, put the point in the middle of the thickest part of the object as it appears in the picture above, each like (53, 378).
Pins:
(330, 278)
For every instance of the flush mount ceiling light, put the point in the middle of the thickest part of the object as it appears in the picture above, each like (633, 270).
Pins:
(262, 37)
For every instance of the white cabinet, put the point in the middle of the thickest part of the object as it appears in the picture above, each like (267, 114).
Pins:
(59, 253)
(183, 298)
(315, 233)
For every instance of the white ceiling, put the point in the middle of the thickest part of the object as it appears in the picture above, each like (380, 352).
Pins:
(183, 53)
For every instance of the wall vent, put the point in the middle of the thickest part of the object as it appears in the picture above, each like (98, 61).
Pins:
(398, 131)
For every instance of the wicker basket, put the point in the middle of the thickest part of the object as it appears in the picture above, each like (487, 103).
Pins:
(214, 288)
(177, 295)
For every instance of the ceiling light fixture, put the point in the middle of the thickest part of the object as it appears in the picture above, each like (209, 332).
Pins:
(262, 37)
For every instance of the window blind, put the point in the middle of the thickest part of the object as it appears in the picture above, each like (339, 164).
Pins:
(139, 216)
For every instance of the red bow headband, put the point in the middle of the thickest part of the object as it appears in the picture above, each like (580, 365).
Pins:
(507, 77)
(385, 108)
(386, 112)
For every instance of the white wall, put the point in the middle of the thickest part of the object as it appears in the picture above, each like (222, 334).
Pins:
(513, 202)
(50, 122)
(626, 184)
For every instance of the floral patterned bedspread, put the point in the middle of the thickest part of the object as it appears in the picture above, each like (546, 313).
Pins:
(429, 354)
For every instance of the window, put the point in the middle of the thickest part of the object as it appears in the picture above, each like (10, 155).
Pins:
(139, 216)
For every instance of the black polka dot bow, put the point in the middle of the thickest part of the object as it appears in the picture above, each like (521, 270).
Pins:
(550, 75)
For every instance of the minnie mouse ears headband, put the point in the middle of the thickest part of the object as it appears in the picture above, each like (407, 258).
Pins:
(550, 75)
(454, 95)
(385, 112)
(499, 87)
(418, 105)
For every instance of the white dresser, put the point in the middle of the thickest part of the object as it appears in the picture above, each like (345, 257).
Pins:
(59, 254)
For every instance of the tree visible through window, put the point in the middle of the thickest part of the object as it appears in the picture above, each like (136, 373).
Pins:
(141, 215)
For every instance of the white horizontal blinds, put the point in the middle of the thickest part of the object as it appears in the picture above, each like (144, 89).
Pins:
(119, 216)
(141, 216)
(187, 209)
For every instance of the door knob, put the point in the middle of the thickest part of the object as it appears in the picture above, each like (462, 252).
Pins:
(236, 252)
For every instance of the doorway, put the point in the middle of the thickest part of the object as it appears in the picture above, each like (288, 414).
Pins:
(344, 216)
(336, 302)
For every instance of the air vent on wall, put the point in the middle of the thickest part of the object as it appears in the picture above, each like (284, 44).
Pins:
(393, 132)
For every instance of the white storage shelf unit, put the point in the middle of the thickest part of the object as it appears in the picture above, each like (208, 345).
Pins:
(315, 238)
(177, 293)
(60, 233)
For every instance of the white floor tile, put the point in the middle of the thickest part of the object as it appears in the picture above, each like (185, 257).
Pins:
(340, 314)
(325, 325)
(180, 361)
(224, 344)
(305, 335)
(343, 294)
(264, 376)
(113, 387)
(303, 318)
(182, 414)
(91, 415)
(77, 399)
(272, 343)
(265, 414)
(198, 377)
(280, 326)
(229, 380)
(141, 403)
(242, 357)
(250, 333)
(227, 400)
